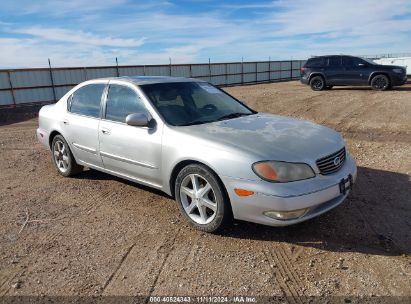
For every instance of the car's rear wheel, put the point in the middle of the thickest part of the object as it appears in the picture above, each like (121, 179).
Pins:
(380, 83)
(63, 158)
(317, 83)
(201, 198)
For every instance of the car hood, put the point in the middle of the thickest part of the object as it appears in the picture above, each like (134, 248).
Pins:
(390, 67)
(270, 137)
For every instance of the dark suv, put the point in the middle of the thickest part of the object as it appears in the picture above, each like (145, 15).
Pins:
(324, 72)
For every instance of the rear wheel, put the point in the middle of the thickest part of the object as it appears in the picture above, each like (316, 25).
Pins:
(201, 198)
(317, 83)
(380, 83)
(63, 158)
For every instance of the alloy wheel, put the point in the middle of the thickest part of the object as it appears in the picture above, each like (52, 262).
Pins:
(61, 157)
(198, 199)
(380, 83)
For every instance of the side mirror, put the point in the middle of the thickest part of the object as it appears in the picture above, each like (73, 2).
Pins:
(137, 120)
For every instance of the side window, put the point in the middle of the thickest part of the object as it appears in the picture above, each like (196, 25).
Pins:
(122, 101)
(315, 62)
(334, 62)
(351, 62)
(86, 100)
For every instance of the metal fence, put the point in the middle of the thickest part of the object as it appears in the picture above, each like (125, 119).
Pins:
(46, 85)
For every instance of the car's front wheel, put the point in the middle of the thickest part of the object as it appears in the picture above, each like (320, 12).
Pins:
(63, 158)
(380, 83)
(317, 83)
(201, 198)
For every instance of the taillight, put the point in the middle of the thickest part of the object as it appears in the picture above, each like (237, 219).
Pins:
(302, 70)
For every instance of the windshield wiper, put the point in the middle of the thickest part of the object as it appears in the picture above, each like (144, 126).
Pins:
(228, 116)
(199, 122)
(233, 115)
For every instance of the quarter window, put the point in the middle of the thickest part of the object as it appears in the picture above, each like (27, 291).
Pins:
(122, 101)
(86, 100)
(315, 62)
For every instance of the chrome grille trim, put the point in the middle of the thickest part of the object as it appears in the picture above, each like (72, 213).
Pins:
(326, 164)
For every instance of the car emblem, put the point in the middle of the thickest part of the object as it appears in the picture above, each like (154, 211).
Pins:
(337, 161)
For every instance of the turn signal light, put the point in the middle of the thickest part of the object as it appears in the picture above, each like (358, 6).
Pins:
(243, 192)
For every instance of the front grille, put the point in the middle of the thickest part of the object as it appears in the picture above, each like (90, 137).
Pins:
(327, 164)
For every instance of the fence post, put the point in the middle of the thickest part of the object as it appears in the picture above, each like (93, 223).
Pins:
(256, 72)
(118, 73)
(170, 65)
(269, 69)
(85, 73)
(226, 73)
(11, 89)
(209, 69)
(144, 70)
(291, 69)
(52, 81)
(242, 70)
(191, 71)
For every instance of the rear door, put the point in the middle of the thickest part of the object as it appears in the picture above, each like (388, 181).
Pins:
(134, 152)
(333, 70)
(81, 123)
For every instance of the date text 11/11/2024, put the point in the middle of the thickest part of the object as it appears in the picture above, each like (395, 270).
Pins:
(202, 299)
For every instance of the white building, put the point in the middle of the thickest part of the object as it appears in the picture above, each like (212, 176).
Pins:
(402, 61)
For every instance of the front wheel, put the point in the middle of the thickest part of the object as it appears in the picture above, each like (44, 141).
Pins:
(380, 83)
(201, 198)
(63, 158)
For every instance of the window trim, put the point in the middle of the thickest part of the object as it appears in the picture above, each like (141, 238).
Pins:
(69, 100)
(104, 104)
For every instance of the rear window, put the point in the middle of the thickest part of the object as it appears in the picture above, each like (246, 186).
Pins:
(315, 62)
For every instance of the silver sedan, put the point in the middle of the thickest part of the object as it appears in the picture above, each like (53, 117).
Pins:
(218, 158)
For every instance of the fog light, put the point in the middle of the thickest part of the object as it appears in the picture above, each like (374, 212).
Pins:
(286, 215)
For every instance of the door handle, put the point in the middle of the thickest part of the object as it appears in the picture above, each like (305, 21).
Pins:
(66, 122)
(105, 131)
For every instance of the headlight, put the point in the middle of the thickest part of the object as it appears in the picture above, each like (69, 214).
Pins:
(398, 70)
(277, 171)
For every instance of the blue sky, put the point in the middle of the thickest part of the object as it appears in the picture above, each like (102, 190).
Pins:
(81, 32)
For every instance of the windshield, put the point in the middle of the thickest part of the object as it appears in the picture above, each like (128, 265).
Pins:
(189, 103)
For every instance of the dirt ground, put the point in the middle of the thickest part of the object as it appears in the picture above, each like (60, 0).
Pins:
(99, 235)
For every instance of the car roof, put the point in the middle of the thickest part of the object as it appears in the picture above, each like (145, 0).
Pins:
(140, 80)
(326, 56)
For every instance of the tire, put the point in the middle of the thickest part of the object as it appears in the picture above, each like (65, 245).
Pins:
(317, 83)
(62, 157)
(380, 82)
(206, 210)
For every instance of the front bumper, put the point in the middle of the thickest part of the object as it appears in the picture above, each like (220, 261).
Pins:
(318, 195)
(398, 79)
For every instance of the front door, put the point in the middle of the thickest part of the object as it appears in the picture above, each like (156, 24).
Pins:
(356, 71)
(133, 152)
